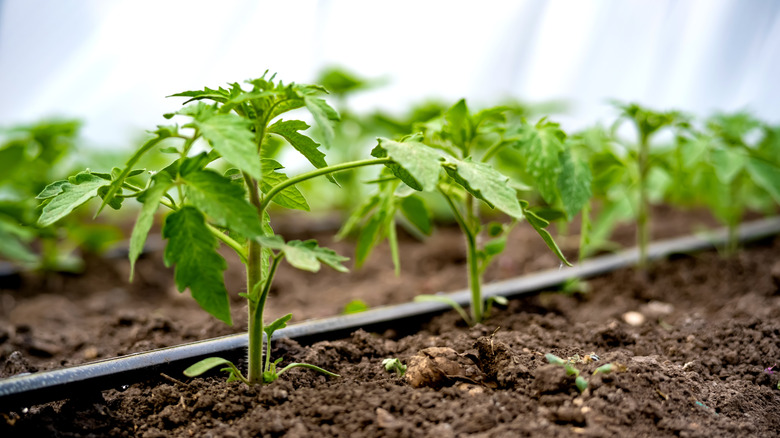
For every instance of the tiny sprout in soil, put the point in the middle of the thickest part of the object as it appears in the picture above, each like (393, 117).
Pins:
(568, 365)
(394, 364)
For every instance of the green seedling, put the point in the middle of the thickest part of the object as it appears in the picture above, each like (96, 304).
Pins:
(394, 365)
(232, 127)
(571, 370)
(647, 123)
(738, 168)
(451, 157)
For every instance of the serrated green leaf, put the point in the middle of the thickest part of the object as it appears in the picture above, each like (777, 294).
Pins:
(308, 255)
(52, 189)
(74, 193)
(539, 225)
(417, 213)
(458, 127)
(288, 129)
(485, 183)
(218, 95)
(290, 197)
(193, 250)
(161, 133)
(542, 146)
(323, 114)
(223, 201)
(414, 163)
(161, 182)
(279, 323)
(573, 183)
(231, 136)
(766, 175)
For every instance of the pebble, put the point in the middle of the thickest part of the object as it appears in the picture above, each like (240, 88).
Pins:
(634, 318)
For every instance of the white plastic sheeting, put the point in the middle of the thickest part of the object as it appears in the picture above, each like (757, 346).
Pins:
(112, 62)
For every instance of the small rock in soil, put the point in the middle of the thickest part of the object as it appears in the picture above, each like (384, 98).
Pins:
(634, 318)
(656, 309)
(436, 367)
(16, 364)
(568, 415)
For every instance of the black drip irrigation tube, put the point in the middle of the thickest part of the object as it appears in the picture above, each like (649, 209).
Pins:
(22, 391)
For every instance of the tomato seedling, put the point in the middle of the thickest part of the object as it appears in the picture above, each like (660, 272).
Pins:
(209, 207)
(451, 157)
(647, 123)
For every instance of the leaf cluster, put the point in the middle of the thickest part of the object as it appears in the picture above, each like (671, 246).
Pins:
(209, 206)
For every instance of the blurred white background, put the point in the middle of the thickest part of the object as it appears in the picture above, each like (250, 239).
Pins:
(112, 62)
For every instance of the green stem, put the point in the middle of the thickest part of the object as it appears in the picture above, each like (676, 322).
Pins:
(584, 230)
(643, 216)
(475, 280)
(275, 190)
(494, 148)
(261, 304)
(735, 215)
(227, 240)
(472, 260)
(254, 275)
(255, 314)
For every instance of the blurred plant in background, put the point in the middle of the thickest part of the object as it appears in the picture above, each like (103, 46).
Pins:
(31, 156)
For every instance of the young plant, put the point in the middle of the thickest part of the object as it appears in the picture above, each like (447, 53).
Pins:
(647, 123)
(738, 168)
(571, 370)
(451, 157)
(208, 207)
(394, 365)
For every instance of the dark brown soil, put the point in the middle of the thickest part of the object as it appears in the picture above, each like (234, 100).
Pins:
(693, 364)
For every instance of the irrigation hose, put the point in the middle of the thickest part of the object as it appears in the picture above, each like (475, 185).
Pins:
(22, 391)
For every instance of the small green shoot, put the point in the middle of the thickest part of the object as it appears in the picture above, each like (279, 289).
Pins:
(571, 370)
(394, 365)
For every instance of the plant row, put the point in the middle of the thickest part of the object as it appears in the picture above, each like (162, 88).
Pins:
(221, 173)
